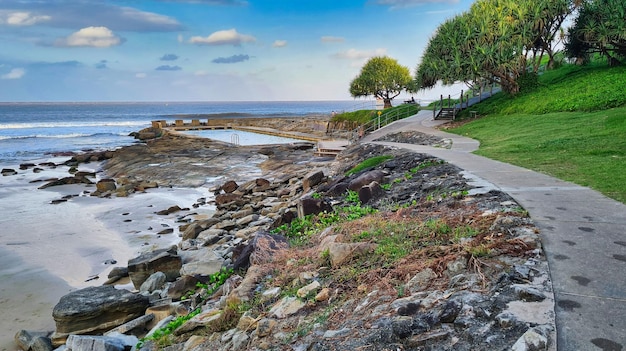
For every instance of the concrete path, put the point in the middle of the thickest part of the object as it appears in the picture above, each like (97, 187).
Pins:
(583, 233)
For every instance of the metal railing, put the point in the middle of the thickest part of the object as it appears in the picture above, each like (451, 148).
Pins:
(382, 119)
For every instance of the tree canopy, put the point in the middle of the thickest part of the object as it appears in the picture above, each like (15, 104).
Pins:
(496, 41)
(383, 78)
(599, 28)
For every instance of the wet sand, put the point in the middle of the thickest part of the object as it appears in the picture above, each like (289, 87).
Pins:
(48, 250)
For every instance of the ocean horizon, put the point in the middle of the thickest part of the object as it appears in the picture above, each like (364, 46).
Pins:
(38, 130)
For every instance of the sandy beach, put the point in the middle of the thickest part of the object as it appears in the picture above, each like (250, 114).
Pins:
(48, 250)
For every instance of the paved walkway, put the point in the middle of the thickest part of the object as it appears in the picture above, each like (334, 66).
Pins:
(583, 233)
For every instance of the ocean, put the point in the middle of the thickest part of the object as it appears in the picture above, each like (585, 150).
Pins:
(30, 131)
(48, 249)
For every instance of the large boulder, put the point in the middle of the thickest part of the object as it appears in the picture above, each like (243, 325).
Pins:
(94, 310)
(201, 262)
(164, 260)
(365, 179)
(312, 179)
(309, 205)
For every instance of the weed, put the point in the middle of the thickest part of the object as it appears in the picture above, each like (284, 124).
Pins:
(368, 163)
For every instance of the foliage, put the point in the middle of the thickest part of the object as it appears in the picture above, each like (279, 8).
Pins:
(368, 163)
(600, 27)
(214, 282)
(570, 88)
(381, 77)
(495, 41)
(301, 229)
(359, 116)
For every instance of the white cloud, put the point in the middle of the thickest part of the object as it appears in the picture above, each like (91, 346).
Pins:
(180, 38)
(100, 37)
(134, 15)
(140, 75)
(21, 18)
(200, 73)
(15, 73)
(354, 54)
(223, 37)
(279, 43)
(331, 39)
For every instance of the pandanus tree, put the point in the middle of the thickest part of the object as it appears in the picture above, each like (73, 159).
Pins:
(493, 41)
(383, 78)
(599, 28)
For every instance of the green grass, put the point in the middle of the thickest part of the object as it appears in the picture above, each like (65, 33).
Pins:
(368, 163)
(364, 116)
(586, 146)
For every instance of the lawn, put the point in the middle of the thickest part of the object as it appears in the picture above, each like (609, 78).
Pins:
(586, 146)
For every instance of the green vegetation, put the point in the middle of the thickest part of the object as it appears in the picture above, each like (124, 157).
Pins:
(300, 230)
(599, 28)
(368, 163)
(496, 41)
(162, 336)
(383, 78)
(536, 130)
(361, 117)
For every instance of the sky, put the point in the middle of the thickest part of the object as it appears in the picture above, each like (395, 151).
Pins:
(206, 50)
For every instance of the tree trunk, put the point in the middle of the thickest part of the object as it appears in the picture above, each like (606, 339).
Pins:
(387, 103)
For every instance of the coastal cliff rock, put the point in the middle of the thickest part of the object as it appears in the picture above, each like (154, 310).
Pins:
(94, 310)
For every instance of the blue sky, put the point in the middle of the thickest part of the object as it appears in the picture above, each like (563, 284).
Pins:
(205, 50)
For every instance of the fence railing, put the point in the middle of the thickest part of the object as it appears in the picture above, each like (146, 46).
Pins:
(382, 119)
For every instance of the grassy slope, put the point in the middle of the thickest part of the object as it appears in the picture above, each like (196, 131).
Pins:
(586, 146)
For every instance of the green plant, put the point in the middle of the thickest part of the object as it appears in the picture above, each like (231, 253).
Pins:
(352, 197)
(386, 186)
(368, 163)
(316, 195)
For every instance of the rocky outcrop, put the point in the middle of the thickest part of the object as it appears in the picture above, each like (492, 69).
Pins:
(94, 310)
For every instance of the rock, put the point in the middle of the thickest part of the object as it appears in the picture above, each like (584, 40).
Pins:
(99, 343)
(450, 310)
(304, 291)
(309, 205)
(534, 339)
(194, 229)
(286, 307)
(33, 340)
(65, 181)
(164, 260)
(202, 262)
(529, 294)
(421, 280)
(265, 327)
(154, 282)
(240, 340)
(8, 172)
(203, 319)
(105, 185)
(312, 179)
(372, 191)
(223, 199)
(229, 187)
(262, 184)
(402, 326)
(182, 286)
(323, 295)
(329, 334)
(24, 166)
(260, 250)
(95, 310)
(169, 210)
(129, 326)
(340, 253)
(193, 342)
(365, 179)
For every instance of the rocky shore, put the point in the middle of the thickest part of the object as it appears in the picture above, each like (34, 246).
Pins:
(311, 253)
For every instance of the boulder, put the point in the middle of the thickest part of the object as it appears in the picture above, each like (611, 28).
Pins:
(309, 205)
(182, 286)
(312, 179)
(8, 172)
(66, 180)
(201, 262)
(372, 191)
(95, 310)
(365, 179)
(99, 343)
(229, 186)
(105, 185)
(154, 282)
(33, 340)
(164, 260)
(260, 250)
